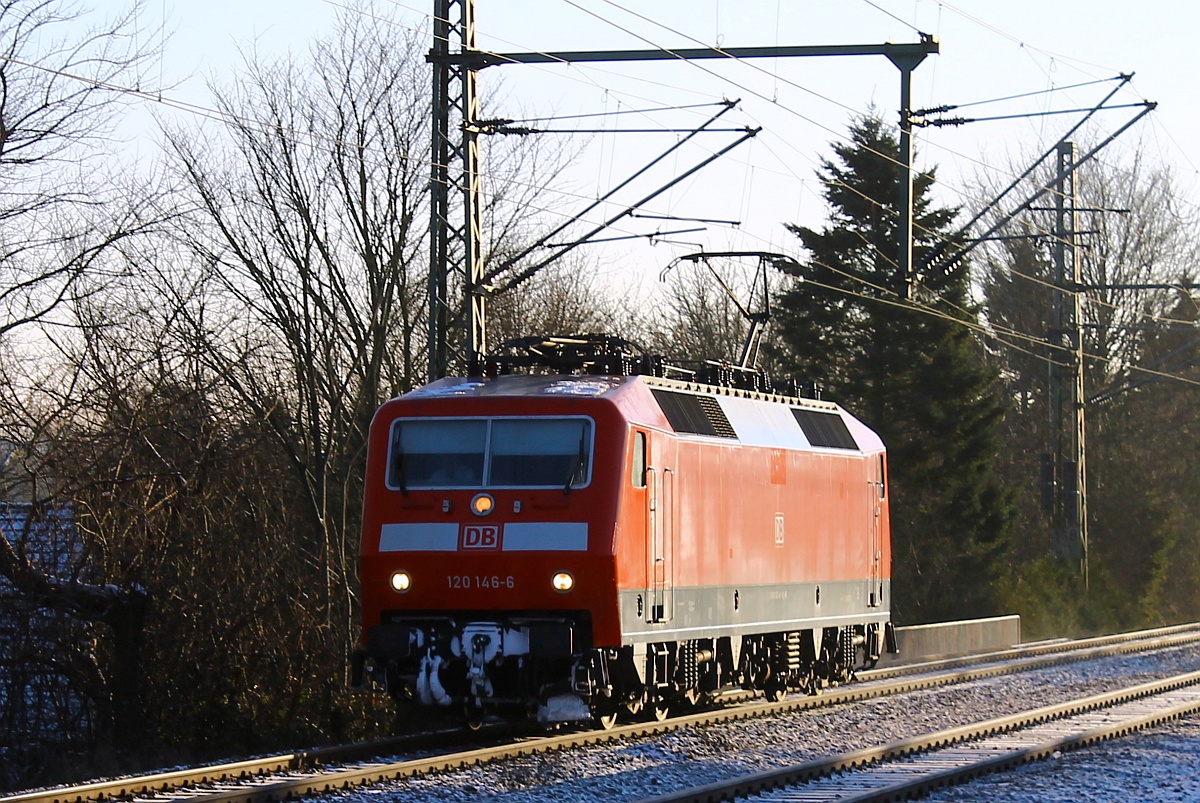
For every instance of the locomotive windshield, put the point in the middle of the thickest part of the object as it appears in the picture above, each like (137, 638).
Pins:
(490, 452)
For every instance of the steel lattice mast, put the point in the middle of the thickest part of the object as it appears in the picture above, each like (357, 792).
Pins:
(455, 262)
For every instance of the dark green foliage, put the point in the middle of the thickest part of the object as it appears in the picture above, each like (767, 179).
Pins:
(1019, 301)
(914, 373)
(1050, 596)
(1143, 477)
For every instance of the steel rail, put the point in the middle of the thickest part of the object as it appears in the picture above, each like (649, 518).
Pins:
(873, 684)
(300, 760)
(905, 769)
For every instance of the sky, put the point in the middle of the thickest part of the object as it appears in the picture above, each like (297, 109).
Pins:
(988, 49)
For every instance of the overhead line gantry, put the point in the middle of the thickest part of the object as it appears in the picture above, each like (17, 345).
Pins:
(455, 253)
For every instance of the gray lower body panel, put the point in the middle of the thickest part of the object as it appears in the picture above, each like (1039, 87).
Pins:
(712, 612)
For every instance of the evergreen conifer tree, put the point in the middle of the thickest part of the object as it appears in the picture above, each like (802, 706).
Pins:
(914, 372)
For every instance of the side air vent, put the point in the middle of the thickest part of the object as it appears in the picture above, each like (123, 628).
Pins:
(824, 430)
(699, 415)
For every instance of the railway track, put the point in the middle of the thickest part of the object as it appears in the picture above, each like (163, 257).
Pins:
(192, 778)
(338, 768)
(909, 768)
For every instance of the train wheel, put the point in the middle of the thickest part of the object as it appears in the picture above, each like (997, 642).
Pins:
(660, 710)
(775, 692)
(473, 716)
(605, 720)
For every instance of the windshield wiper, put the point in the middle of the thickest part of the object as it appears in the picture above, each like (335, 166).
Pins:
(579, 466)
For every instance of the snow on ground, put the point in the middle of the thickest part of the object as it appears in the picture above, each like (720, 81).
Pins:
(656, 765)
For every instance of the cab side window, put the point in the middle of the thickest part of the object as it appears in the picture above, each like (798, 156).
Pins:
(639, 460)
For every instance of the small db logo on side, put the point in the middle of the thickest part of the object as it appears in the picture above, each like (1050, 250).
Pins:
(480, 536)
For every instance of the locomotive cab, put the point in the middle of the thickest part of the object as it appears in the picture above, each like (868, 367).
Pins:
(494, 527)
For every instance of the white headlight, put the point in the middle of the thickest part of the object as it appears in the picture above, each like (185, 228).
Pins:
(401, 581)
(563, 582)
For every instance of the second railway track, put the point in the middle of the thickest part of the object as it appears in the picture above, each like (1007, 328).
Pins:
(908, 768)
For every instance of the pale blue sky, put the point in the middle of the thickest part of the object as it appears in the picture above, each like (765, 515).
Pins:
(989, 49)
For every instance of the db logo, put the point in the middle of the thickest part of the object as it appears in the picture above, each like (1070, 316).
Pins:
(480, 536)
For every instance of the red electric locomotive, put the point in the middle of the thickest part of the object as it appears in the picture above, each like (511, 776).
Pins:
(573, 547)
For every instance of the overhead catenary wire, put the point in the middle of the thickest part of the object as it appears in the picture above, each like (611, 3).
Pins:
(576, 5)
(751, 65)
(668, 28)
(618, 6)
(980, 328)
(215, 114)
(228, 118)
(953, 106)
(898, 19)
(636, 14)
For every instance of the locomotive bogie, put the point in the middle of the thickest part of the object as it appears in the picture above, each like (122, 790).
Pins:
(575, 547)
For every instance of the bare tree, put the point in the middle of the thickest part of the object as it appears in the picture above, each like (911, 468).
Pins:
(180, 594)
(1136, 231)
(1149, 239)
(311, 210)
(67, 217)
(60, 77)
(563, 299)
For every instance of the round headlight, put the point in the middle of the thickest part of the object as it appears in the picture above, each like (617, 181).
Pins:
(563, 582)
(483, 504)
(401, 581)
